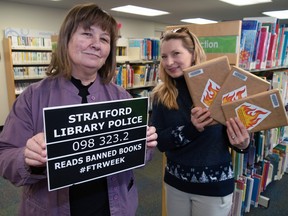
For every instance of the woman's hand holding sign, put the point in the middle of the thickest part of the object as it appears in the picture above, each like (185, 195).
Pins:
(35, 151)
(151, 137)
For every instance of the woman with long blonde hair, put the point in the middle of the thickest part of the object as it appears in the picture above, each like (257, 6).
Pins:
(199, 178)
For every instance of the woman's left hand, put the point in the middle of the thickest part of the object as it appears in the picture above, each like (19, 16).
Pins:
(151, 137)
(237, 133)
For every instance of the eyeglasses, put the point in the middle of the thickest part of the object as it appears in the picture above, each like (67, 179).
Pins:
(180, 30)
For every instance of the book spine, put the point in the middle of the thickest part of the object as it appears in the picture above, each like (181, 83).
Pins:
(262, 48)
(271, 51)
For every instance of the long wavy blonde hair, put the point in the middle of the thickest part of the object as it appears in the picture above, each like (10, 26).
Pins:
(166, 92)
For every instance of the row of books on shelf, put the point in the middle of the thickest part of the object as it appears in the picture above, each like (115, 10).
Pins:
(21, 86)
(145, 49)
(133, 76)
(30, 42)
(29, 72)
(31, 57)
(121, 51)
(280, 81)
(264, 43)
(255, 170)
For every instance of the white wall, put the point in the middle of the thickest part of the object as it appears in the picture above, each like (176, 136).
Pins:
(49, 19)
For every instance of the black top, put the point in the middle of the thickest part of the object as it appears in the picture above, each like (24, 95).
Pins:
(197, 162)
(90, 198)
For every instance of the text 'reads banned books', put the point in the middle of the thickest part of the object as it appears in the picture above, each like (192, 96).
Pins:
(204, 80)
(238, 84)
(258, 112)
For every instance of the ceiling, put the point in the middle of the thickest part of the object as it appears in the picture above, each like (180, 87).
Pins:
(209, 9)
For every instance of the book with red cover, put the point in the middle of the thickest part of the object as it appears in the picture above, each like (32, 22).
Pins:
(260, 60)
(265, 171)
(272, 51)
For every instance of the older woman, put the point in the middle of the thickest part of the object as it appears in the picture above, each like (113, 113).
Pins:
(80, 72)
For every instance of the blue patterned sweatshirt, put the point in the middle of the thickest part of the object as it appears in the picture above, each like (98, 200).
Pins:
(197, 162)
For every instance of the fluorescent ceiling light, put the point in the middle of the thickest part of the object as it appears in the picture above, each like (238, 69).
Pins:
(282, 14)
(198, 21)
(245, 2)
(139, 10)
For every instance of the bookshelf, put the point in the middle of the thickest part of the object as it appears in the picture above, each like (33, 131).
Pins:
(137, 50)
(27, 60)
(138, 77)
(137, 67)
(267, 160)
(24, 63)
(137, 56)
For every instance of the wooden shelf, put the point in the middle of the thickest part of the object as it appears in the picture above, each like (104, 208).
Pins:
(11, 79)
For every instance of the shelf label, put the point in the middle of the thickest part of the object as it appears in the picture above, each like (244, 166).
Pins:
(220, 44)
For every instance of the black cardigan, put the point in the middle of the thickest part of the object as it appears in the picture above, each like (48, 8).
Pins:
(197, 162)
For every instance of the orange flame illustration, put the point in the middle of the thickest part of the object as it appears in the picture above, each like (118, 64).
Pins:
(235, 95)
(250, 116)
(244, 55)
(210, 94)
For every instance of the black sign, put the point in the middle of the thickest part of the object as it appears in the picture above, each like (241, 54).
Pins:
(89, 141)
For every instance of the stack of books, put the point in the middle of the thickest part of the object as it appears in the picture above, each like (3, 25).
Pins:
(230, 92)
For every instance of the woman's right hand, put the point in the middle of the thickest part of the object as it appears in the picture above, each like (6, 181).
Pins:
(35, 151)
(200, 117)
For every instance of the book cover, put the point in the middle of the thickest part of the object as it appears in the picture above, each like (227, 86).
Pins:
(249, 32)
(284, 48)
(251, 156)
(256, 189)
(241, 185)
(274, 160)
(254, 57)
(259, 146)
(237, 202)
(238, 160)
(258, 112)
(204, 80)
(265, 171)
(248, 194)
(139, 75)
(238, 84)
(282, 149)
(279, 47)
(118, 79)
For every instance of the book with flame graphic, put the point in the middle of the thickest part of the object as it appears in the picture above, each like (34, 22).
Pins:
(204, 80)
(258, 112)
(238, 84)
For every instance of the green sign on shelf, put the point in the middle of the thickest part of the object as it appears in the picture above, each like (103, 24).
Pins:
(219, 44)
